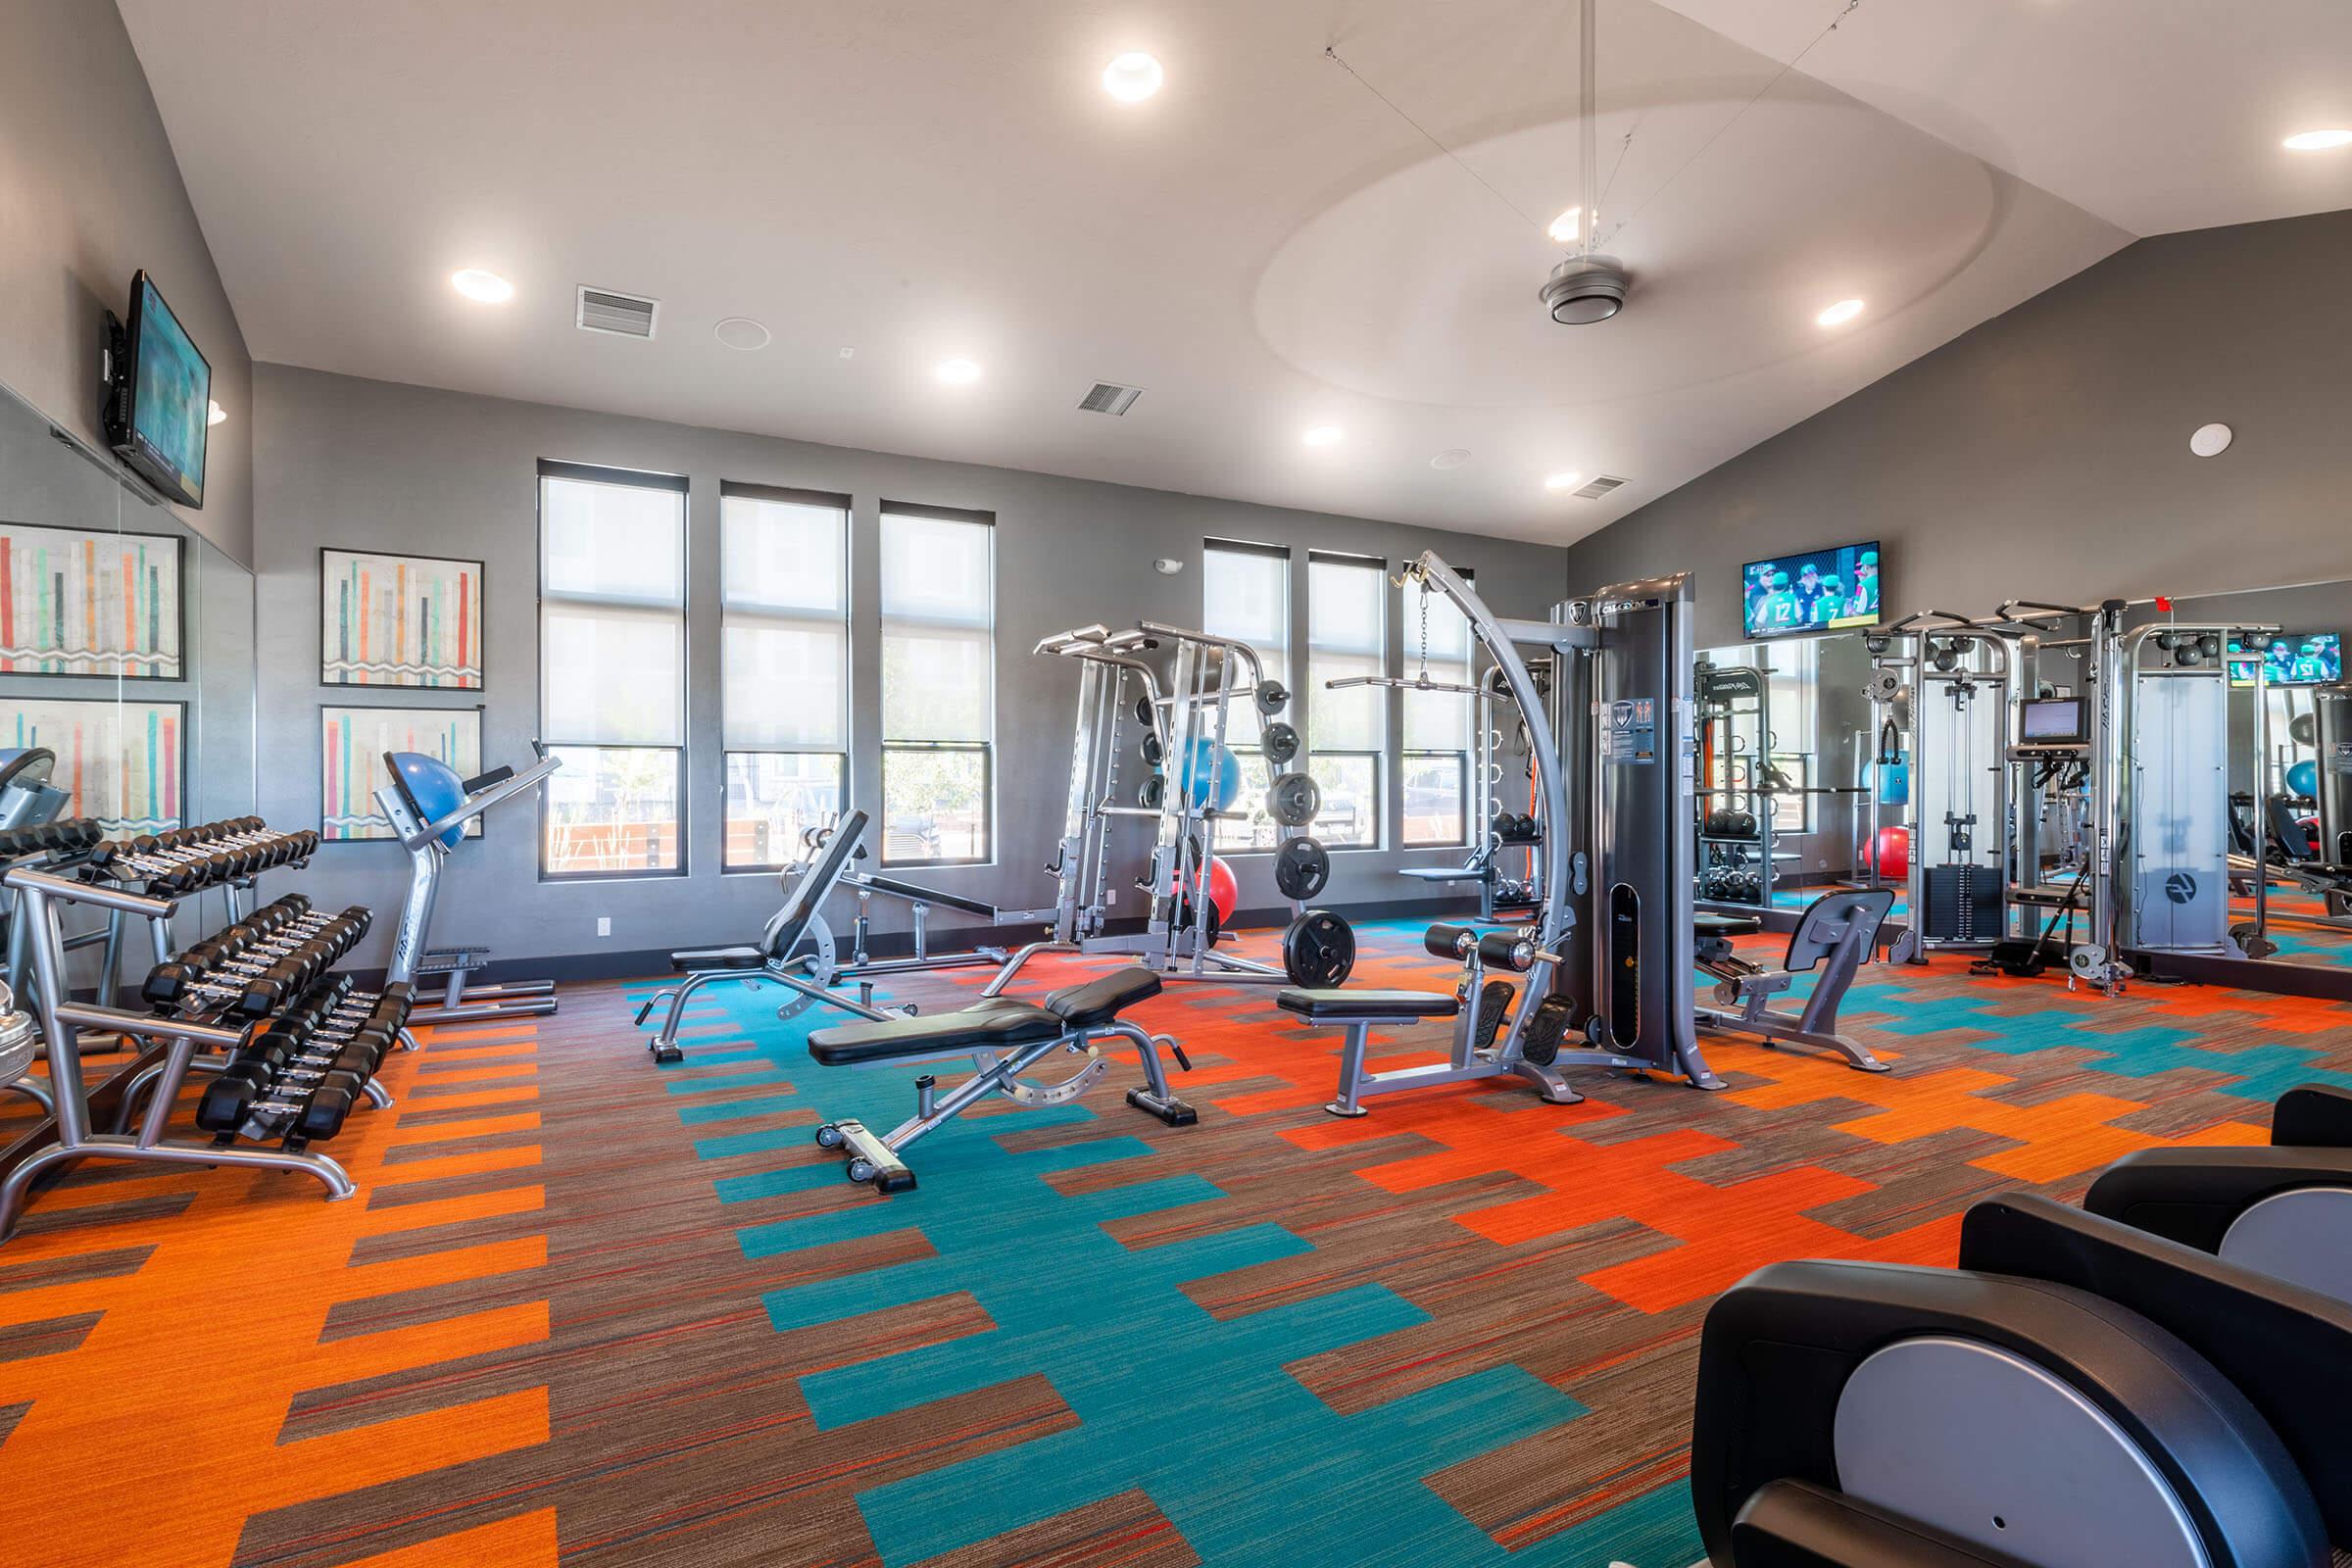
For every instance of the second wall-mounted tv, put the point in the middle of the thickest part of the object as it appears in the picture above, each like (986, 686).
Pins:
(1817, 590)
(2295, 658)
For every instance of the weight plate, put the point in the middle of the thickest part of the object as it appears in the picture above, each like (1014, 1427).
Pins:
(1318, 950)
(1153, 749)
(1300, 868)
(1279, 741)
(1154, 791)
(1273, 699)
(1293, 800)
(1142, 709)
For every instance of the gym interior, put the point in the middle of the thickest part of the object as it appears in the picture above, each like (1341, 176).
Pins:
(1547, 782)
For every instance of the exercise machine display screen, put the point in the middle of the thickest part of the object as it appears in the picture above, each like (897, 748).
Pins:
(1822, 590)
(2053, 721)
(2306, 659)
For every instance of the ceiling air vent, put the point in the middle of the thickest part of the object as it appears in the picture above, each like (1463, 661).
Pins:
(1108, 397)
(1599, 487)
(622, 315)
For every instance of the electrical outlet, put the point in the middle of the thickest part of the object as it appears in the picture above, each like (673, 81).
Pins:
(604, 925)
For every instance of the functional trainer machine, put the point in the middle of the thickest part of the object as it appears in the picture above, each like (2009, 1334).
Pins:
(428, 807)
(1606, 965)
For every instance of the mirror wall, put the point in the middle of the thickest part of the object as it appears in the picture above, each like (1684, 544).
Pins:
(1785, 763)
(127, 640)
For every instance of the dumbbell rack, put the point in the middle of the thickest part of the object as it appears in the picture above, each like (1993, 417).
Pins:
(72, 1131)
(1732, 763)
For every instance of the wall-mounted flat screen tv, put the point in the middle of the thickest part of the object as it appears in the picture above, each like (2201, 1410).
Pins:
(2295, 658)
(163, 398)
(1820, 590)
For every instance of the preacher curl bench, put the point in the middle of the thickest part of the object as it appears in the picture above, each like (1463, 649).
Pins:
(1006, 1038)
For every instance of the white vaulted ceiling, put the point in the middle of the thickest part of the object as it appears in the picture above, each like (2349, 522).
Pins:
(1264, 246)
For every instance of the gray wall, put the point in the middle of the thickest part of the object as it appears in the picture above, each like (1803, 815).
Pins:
(2045, 454)
(374, 466)
(90, 193)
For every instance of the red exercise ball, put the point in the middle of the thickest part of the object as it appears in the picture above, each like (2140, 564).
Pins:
(1224, 892)
(1894, 853)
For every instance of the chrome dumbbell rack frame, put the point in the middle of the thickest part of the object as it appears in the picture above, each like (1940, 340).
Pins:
(70, 1133)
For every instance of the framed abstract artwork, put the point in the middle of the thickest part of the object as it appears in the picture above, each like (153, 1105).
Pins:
(123, 763)
(85, 602)
(352, 743)
(399, 621)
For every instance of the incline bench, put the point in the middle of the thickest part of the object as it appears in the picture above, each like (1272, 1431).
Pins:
(1006, 1038)
(772, 959)
(1840, 928)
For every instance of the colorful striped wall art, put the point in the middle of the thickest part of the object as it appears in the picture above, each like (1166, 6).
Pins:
(123, 763)
(85, 602)
(399, 621)
(353, 741)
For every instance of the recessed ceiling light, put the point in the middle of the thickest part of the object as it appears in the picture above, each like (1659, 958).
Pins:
(1451, 458)
(741, 332)
(2316, 141)
(1563, 482)
(1323, 435)
(848, 354)
(1132, 77)
(213, 413)
(956, 373)
(487, 287)
(1840, 312)
(1567, 225)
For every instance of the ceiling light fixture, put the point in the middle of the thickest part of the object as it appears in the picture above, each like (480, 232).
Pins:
(1323, 435)
(1840, 312)
(1132, 77)
(956, 373)
(1586, 287)
(2318, 141)
(486, 287)
(1563, 482)
(1451, 458)
(741, 333)
(213, 413)
(1565, 228)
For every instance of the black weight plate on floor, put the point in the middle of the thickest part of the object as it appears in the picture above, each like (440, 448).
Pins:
(1300, 868)
(1318, 950)
(1279, 741)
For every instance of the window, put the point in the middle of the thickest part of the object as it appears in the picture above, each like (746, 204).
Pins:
(1246, 595)
(1440, 728)
(939, 683)
(1347, 635)
(612, 669)
(783, 669)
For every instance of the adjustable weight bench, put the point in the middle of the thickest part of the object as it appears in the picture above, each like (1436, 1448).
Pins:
(772, 959)
(1839, 928)
(1006, 1038)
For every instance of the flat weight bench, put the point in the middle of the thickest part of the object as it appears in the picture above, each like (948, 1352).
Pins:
(1006, 1038)
(1837, 929)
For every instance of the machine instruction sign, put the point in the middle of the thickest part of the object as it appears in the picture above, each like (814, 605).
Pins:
(1631, 733)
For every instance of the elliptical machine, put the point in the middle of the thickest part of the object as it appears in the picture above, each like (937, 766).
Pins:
(428, 807)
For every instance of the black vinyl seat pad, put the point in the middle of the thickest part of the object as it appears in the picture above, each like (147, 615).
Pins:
(1339, 1006)
(688, 959)
(997, 1023)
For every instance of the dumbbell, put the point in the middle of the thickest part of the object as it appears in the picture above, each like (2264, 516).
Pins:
(258, 984)
(254, 946)
(201, 866)
(317, 1109)
(159, 856)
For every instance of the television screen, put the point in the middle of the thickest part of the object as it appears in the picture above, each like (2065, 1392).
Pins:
(1820, 591)
(2294, 658)
(170, 397)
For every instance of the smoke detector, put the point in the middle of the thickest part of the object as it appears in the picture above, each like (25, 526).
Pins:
(1584, 289)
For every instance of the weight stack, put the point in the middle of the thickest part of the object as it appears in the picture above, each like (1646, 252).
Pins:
(1964, 904)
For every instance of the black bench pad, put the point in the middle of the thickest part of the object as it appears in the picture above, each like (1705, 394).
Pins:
(1725, 925)
(991, 1025)
(1098, 1001)
(1327, 1005)
(688, 959)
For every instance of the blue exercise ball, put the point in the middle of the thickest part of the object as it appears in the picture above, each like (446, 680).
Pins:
(1211, 775)
(2303, 778)
(432, 786)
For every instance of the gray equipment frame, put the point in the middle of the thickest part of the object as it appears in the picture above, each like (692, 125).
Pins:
(428, 857)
